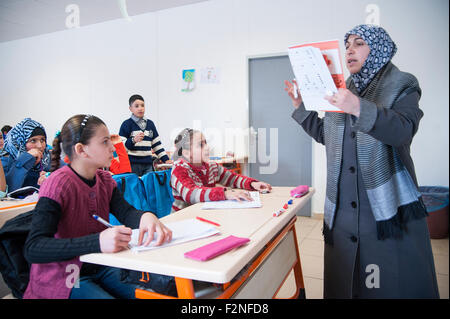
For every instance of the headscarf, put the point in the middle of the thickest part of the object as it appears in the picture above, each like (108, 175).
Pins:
(17, 138)
(382, 49)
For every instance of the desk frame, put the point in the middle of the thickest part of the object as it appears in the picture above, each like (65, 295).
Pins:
(185, 287)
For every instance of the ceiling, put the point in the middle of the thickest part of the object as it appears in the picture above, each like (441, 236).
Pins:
(26, 18)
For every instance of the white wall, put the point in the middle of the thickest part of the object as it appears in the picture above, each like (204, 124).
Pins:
(94, 69)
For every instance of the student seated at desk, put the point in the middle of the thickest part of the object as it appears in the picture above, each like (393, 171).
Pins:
(3, 186)
(194, 178)
(63, 227)
(25, 156)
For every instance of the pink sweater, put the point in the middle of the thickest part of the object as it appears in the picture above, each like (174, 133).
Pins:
(78, 203)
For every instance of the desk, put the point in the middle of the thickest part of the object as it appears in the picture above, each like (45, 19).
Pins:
(262, 265)
(10, 209)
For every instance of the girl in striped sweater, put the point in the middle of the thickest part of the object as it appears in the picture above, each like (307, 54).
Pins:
(194, 178)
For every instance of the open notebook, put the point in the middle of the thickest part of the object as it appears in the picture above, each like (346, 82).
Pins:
(182, 231)
(230, 204)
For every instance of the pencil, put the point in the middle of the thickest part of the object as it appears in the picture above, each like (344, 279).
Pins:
(207, 221)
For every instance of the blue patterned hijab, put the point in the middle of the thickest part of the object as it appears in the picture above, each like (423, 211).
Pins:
(16, 140)
(382, 49)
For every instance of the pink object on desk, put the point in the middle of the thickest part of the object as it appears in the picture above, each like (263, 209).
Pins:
(216, 248)
(299, 191)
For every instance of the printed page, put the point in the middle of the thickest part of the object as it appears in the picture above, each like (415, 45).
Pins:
(318, 70)
(182, 231)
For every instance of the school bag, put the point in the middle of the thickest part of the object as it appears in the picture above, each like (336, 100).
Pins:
(158, 192)
(132, 190)
(161, 284)
(14, 268)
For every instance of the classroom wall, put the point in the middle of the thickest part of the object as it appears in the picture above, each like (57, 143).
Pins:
(94, 69)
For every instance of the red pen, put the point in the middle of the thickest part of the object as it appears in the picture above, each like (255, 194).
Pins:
(207, 221)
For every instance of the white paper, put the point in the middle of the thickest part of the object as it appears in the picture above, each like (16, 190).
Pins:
(182, 231)
(210, 75)
(233, 204)
(313, 77)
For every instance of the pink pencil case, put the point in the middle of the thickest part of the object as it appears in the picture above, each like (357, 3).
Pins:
(299, 191)
(216, 248)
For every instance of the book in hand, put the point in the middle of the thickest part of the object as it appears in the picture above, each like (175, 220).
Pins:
(318, 70)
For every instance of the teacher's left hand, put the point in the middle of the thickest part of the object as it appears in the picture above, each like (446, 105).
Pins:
(346, 101)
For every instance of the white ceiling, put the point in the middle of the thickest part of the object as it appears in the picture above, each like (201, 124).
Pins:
(26, 18)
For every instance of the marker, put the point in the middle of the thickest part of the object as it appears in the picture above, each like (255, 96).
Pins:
(285, 206)
(207, 221)
(101, 220)
(290, 202)
(104, 222)
(278, 213)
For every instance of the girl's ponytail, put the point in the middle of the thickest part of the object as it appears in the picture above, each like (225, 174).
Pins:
(56, 152)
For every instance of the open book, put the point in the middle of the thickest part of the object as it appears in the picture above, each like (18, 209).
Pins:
(182, 231)
(318, 69)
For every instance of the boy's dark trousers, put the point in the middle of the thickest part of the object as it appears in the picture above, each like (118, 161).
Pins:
(141, 169)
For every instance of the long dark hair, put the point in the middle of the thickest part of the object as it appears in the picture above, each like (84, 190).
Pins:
(78, 129)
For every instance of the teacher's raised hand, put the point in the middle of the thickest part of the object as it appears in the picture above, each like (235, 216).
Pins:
(290, 89)
(346, 101)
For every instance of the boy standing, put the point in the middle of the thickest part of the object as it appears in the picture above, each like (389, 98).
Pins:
(141, 137)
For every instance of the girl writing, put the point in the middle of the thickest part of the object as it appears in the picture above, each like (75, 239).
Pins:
(63, 227)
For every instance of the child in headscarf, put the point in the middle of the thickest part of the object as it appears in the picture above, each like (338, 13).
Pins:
(25, 156)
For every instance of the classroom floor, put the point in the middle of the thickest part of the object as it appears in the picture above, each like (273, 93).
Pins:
(310, 239)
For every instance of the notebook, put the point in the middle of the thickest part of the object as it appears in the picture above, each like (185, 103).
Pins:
(234, 204)
(182, 231)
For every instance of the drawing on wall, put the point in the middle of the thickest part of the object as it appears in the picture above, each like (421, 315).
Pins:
(210, 75)
(188, 80)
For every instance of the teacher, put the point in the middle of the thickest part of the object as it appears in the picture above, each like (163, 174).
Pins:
(377, 243)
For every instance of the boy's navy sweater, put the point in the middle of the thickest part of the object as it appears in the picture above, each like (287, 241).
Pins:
(141, 152)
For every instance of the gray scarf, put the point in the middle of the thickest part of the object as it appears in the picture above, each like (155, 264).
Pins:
(393, 195)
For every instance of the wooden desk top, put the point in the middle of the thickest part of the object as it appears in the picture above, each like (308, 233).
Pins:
(11, 208)
(258, 224)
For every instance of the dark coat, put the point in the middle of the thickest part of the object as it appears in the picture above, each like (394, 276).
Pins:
(13, 266)
(356, 263)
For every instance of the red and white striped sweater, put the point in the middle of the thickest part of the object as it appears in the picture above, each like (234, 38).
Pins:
(193, 184)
